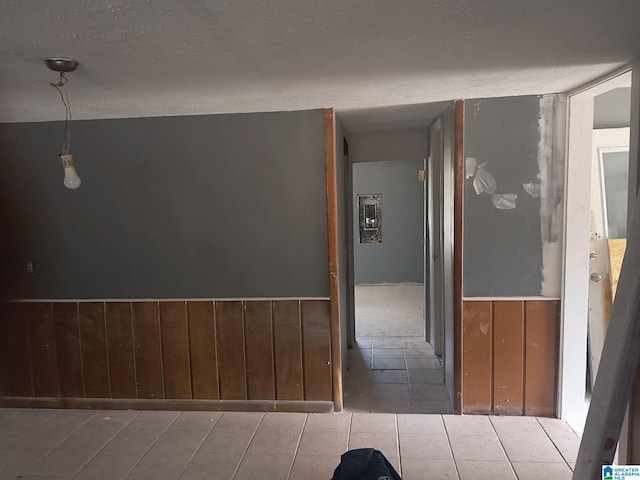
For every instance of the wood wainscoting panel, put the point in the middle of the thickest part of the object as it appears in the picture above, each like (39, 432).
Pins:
(120, 350)
(175, 350)
(42, 350)
(231, 350)
(316, 330)
(68, 350)
(259, 344)
(288, 350)
(202, 348)
(508, 357)
(477, 357)
(16, 348)
(542, 324)
(148, 352)
(93, 342)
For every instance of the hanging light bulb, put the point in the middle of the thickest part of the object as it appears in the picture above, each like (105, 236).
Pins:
(62, 66)
(71, 178)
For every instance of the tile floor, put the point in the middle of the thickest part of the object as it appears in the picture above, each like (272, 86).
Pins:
(96, 445)
(394, 375)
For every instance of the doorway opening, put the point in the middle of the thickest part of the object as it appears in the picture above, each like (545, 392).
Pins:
(392, 362)
(599, 119)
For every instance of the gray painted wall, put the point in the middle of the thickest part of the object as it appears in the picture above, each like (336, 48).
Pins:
(400, 256)
(198, 206)
(503, 248)
(390, 145)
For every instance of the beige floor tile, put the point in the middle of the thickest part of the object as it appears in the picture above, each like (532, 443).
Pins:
(160, 465)
(416, 342)
(425, 446)
(395, 391)
(373, 423)
(522, 426)
(206, 466)
(129, 438)
(419, 353)
(390, 405)
(230, 439)
(468, 425)
(388, 353)
(181, 439)
(94, 434)
(17, 461)
(568, 447)
(426, 375)
(357, 352)
(387, 342)
(363, 342)
(431, 406)
(106, 465)
(314, 467)
(154, 419)
(476, 447)
(421, 469)
(542, 471)
(61, 462)
(421, 424)
(389, 364)
(196, 420)
(264, 466)
(534, 449)
(328, 422)
(387, 444)
(484, 470)
(53, 431)
(556, 428)
(323, 443)
(389, 376)
(425, 391)
(281, 421)
(423, 363)
(245, 420)
(357, 404)
(274, 441)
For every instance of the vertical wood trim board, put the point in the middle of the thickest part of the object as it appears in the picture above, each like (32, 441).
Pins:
(510, 357)
(335, 360)
(458, 216)
(252, 350)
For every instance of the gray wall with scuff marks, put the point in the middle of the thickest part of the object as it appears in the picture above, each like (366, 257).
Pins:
(503, 248)
(406, 144)
(171, 207)
(612, 109)
(400, 256)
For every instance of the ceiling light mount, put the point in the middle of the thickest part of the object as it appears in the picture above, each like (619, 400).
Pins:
(61, 64)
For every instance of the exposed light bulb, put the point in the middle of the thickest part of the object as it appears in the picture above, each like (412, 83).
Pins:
(71, 178)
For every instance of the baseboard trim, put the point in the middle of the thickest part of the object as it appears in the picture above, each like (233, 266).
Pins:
(163, 404)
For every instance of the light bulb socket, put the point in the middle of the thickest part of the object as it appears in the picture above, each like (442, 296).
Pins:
(67, 160)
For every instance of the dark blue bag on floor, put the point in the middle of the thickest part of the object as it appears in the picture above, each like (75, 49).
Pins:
(364, 464)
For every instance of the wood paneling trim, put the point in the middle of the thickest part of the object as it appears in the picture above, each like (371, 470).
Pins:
(333, 240)
(542, 324)
(316, 328)
(458, 216)
(231, 350)
(93, 341)
(68, 349)
(288, 350)
(120, 350)
(42, 350)
(202, 348)
(148, 355)
(175, 350)
(508, 358)
(259, 346)
(477, 357)
(249, 351)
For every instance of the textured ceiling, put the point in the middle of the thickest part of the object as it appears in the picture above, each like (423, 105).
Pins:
(163, 57)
